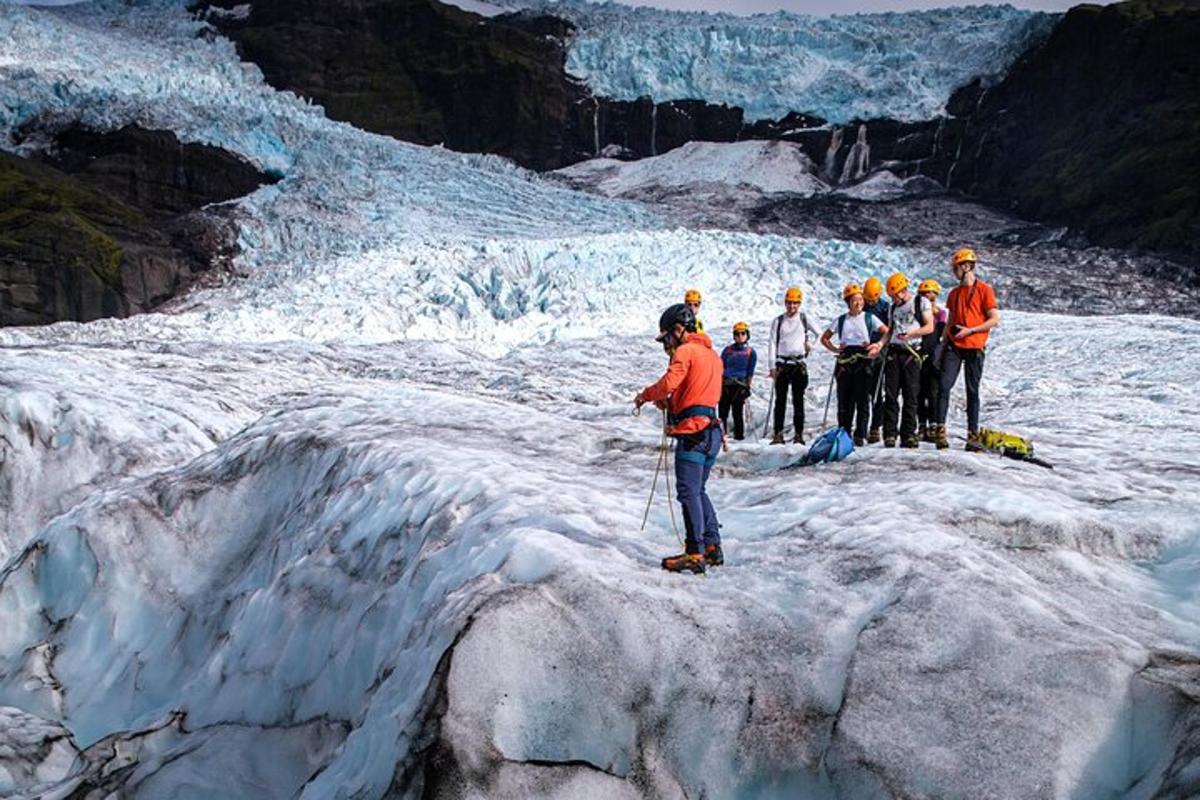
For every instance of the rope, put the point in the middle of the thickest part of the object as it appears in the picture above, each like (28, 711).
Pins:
(664, 447)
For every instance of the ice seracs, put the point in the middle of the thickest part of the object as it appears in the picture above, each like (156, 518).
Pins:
(842, 68)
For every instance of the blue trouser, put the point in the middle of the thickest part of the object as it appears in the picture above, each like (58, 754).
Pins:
(695, 455)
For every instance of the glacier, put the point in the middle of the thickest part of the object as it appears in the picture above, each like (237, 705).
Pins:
(364, 521)
(843, 68)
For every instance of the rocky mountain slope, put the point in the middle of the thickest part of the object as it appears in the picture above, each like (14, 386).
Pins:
(109, 224)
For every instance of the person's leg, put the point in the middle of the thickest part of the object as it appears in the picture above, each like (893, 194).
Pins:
(891, 391)
(781, 387)
(689, 490)
(712, 527)
(875, 398)
(863, 385)
(845, 397)
(739, 415)
(951, 364)
(799, 387)
(923, 394)
(910, 387)
(973, 367)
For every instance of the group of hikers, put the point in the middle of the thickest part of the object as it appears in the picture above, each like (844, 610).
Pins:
(897, 361)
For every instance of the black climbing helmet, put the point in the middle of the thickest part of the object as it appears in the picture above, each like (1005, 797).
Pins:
(676, 314)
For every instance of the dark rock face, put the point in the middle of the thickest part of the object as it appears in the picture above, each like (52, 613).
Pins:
(642, 128)
(109, 224)
(1099, 128)
(152, 170)
(418, 70)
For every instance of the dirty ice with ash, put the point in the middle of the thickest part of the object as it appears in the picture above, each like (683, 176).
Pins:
(364, 521)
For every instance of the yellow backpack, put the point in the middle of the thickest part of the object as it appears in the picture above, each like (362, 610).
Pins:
(1005, 443)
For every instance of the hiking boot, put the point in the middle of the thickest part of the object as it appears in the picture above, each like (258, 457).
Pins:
(777, 438)
(714, 556)
(973, 445)
(737, 438)
(873, 436)
(859, 441)
(939, 437)
(684, 562)
(798, 439)
(926, 433)
(889, 441)
(911, 442)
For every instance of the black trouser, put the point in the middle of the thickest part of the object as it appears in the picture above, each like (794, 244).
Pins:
(854, 386)
(971, 362)
(931, 384)
(901, 378)
(876, 397)
(734, 393)
(796, 376)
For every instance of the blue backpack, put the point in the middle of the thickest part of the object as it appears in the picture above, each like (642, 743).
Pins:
(832, 445)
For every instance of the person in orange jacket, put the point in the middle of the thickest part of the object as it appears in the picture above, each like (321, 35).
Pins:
(691, 391)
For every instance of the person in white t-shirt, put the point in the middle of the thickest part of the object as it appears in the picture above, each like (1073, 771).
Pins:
(855, 352)
(910, 320)
(788, 346)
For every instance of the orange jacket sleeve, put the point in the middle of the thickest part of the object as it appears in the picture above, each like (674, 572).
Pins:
(671, 379)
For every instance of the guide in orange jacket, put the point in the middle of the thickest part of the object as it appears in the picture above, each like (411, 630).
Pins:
(691, 390)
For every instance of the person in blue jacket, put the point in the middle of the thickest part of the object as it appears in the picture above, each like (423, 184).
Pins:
(740, 360)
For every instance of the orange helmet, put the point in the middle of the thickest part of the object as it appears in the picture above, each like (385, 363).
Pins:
(962, 256)
(741, 327)
(872, 289)
(793, 295)
(851, 290)
(929, 285)
(896, 284)
(691, 296)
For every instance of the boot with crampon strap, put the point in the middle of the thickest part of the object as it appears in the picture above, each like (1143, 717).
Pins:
(684, 562)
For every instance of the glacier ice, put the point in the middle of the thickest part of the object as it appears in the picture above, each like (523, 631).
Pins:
(861, 66)
(365, 521)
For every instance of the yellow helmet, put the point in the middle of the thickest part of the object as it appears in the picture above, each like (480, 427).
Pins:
(741, 327)
(896, 284)
(851, 290)
(872, 289)
(929, 285)
(962, 256)
(793, 295)
(691, 296)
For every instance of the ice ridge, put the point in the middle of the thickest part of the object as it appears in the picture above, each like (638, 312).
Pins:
(862, 66)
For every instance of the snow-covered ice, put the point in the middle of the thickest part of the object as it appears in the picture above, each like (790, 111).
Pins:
(862, 66)
(365, 522)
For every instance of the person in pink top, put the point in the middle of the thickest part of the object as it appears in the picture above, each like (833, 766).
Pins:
(931, 376)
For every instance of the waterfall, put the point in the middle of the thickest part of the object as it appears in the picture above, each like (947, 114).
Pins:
(858, 161)
(653, 129)
(835, 144)
(596, 126)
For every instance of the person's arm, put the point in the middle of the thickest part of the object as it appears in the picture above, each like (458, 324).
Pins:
(827, 342)
(874, 348)
(771, 354)
(993, 319)
(815, 332)
(990, 321)
(666, 385)
(752, 367)
(926, 318)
